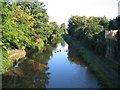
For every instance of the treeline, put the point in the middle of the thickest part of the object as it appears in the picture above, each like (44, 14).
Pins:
(91, 31)
(26, 25)
(87, 36)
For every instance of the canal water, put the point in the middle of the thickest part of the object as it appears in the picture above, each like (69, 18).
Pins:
(56, 66)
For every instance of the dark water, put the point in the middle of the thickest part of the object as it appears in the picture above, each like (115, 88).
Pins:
(56, 66)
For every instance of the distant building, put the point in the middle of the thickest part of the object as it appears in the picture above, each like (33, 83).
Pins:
(119, 8)
(111, 34)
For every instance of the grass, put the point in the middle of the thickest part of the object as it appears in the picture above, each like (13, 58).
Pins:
(111, 64)
(103, 78)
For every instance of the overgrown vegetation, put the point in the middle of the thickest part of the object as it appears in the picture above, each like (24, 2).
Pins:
(25, 25)
(90, 59)
(115, 24)
(89, 31)
(91, 34)
(5, 63)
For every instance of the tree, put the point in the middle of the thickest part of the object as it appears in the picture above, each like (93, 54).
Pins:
(112, 24)
(63, 28)
(118, 39)
(90, 31)
(118, 22)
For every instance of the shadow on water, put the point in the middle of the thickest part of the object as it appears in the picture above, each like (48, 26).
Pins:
(32, 72)
(28, 74)
(68, 70)
(57, 65)
(73, 57)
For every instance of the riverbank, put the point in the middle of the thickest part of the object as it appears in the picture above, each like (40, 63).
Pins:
(9, 57)
(105, 79)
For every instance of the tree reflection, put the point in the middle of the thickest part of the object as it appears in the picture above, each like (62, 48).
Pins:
(73, 56)
(44, 56)
(62, 43)
(32, 72)
(29, 74)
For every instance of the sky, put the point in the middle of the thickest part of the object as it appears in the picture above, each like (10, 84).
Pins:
(61, 10)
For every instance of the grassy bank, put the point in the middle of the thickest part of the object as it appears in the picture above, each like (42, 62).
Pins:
(103, 78)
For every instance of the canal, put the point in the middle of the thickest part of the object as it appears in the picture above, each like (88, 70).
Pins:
(56, 66)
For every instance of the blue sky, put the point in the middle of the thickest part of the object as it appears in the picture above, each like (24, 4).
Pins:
(61, 10)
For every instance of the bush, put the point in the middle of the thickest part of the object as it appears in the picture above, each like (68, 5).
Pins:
(6, 64)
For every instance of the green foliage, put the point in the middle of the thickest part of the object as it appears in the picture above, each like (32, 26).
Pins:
(115, 25)
(16, 28)
(75, 24)
(90, 30)
(93, 62)
(5, 62)
(25, 25)
(63, 28)
(112, 24)
(118, 22)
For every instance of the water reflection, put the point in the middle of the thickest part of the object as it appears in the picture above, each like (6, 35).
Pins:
(73, 57)
(62, 43)
(56, 66)
(68, 71)
(29, 74)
